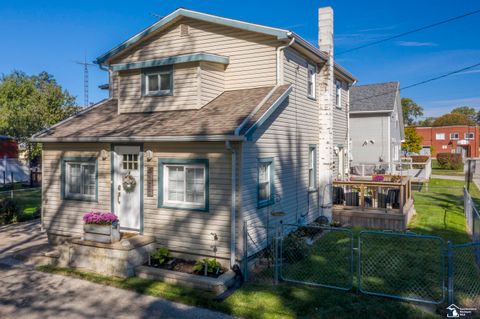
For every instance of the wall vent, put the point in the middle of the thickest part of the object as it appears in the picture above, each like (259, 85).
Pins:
(184, 30)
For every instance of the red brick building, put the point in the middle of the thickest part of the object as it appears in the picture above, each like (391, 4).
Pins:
(461, 139)
(8, 147)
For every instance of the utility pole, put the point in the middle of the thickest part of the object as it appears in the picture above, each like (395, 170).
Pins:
(86, 65)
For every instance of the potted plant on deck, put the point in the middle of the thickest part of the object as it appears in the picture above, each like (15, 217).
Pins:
(102, 227)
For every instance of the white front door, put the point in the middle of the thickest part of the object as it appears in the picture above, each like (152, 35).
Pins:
(127, 161)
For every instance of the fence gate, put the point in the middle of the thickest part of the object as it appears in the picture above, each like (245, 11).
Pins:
(464, 275)
(403, 266)
(317, 256)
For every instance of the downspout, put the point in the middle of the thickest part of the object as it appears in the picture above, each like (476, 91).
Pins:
(233, 208)
(348, 128)
(279, 62)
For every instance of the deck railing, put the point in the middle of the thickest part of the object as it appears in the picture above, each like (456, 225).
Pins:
(371, 195)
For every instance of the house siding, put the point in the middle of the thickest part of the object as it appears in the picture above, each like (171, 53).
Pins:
(285, 137)
(369, 127)
(212, 81)
(187, 231)
(64, 217)
(251, 54)
(185, 91)
(183, 231)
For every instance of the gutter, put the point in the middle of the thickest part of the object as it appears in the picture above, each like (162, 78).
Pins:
(279, 64)
(233, 208)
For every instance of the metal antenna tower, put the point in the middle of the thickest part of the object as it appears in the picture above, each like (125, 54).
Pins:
(85, 78)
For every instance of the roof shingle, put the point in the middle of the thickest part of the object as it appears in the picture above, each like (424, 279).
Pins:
(374, 97)
(219, 117)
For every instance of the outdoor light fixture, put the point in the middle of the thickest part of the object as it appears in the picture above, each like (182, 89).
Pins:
(149, 155)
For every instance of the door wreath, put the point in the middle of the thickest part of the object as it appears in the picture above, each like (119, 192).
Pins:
(129, 183)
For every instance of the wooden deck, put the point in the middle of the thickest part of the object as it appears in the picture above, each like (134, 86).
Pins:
(377, 205)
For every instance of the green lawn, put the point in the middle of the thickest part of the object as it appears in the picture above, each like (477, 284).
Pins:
(327, 261)
(437, 170)
(29, 201)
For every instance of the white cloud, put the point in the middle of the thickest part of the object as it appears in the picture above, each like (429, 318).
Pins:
(416, 44)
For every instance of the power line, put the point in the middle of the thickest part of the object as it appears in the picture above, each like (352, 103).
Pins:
(411, 31)
(423, 82)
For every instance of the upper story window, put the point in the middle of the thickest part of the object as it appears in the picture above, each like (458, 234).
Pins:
(454, 136)
(440, 136)
(79, 178)
(184, 184)
(265, 182)
(311, 81)
(158, 81)
(469, 136)
(338, 94)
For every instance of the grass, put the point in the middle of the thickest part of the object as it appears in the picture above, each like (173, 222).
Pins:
(266, 302)
(437, 170)
(29, 200)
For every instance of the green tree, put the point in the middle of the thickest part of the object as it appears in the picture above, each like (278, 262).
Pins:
(411, 110)
(469, 112)
(413, 140)
(426, 122)
(29, 104)
(453, 119)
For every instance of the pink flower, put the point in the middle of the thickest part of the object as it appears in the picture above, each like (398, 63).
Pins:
(100, 218)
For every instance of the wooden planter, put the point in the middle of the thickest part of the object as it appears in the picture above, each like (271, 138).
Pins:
(101, 233)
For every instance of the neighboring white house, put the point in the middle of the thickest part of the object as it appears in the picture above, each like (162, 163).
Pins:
(376, 124)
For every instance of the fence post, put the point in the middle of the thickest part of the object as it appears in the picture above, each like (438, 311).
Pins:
(450, 273)
(359, 260)
(245, 251)
(275, 246)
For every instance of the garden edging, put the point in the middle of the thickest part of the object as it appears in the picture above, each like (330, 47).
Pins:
(210, 284)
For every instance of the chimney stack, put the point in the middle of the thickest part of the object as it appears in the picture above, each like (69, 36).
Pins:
(325, 29)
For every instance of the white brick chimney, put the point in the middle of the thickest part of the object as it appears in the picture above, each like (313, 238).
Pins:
(326, 147)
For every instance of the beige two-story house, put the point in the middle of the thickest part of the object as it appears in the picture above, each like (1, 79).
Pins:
(220, 122)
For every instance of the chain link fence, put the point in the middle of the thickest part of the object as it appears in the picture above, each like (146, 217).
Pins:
(464, 275)
(472, 216)
(404, 266)
(259, 254)
(317, 255)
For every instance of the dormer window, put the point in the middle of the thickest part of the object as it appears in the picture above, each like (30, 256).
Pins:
(158, 82)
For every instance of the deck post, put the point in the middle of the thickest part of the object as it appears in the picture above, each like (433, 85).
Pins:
(362, 196)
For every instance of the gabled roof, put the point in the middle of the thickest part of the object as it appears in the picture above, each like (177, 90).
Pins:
(221, 119)
(280, 34)
(378, 97)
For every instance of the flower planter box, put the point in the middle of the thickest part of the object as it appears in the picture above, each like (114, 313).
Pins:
(101, 233)
(208, 284)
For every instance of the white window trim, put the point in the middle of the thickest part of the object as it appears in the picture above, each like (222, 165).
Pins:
(439, 139)
(184, 204)
(81, 196)
(466, 136)
(338, 92)
(312, 79)
(454, 138)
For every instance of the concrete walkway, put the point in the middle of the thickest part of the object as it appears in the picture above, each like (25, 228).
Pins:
(450, 177)
(28, 294)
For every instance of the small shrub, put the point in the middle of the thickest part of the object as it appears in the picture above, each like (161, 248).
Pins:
(10, 211)
(212, 265)
(161, 255)
(449, 160)
(295, 248)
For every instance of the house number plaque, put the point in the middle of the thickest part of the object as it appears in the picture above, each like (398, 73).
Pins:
(150, 181)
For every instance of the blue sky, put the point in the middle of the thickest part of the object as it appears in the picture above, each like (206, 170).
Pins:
(51, 35)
